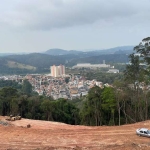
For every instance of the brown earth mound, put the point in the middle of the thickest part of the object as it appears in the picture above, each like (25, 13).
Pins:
(44, 135)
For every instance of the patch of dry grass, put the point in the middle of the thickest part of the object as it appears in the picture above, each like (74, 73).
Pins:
(13, 64)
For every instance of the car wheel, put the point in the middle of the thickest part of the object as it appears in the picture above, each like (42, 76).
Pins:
(139, 135)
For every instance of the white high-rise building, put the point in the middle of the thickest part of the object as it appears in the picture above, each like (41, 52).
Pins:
(61, 70)
(57, 71)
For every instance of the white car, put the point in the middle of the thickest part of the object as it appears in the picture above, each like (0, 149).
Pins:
(143, 132)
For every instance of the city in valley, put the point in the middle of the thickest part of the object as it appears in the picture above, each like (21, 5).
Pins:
(74, 75)
(57, 84)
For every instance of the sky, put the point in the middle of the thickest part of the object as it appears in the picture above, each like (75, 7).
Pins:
(39, 25)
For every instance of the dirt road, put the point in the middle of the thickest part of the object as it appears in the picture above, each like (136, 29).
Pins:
(44, 135)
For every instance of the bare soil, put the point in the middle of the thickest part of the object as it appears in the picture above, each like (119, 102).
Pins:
(47, 135)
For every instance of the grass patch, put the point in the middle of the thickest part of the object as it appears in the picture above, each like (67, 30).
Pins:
(12, 64)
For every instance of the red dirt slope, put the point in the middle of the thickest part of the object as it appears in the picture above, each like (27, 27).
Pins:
(44, 135)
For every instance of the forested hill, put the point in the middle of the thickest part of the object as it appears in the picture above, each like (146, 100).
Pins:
(111, 58)
(7, 66)
(42, 60)
(37, 59)
(40, 63)
(31, 63)
(120, 50)
(61, 52)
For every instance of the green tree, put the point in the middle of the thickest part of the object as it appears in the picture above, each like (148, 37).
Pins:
(22, 104)
(137, 76)
(134, 75)
(91, 113)
(109, 103)
(120, 94)
(66, 111)
(144, 48)
(26, 87)
(33, 108)
(6, 96)
(47, 108)
(14, 107)
(134, 72)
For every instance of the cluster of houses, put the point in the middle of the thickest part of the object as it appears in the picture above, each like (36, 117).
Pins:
(75, 87)
(57, 88)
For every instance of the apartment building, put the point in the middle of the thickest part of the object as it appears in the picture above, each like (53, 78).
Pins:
(57, 71)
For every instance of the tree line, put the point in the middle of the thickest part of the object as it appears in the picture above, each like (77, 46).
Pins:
(108, 106)
(30, 105)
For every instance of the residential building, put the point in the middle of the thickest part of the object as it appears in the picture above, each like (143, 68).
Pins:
(57, 71)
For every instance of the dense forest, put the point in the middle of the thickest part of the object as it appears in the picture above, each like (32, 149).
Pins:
(98, 108)
(126, 101)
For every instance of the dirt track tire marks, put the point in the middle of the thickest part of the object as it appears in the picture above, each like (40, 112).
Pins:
(45, 135)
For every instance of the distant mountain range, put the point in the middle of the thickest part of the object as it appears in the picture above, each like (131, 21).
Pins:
(41, 62)
(61, 52)
(118, 50)
(57, 51)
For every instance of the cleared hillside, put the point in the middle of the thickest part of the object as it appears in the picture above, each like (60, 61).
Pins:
(12, 64)
(44, 135)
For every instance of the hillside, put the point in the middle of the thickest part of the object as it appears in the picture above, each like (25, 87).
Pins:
(40, 63)
(12, 64)
(61, 52)
(28, 63)
(44, 135)
(121, 49)
(109, 58)
(37, 60)
(45, 61)
(7, 66)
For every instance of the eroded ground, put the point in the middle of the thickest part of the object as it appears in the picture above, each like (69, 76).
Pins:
(44, 135)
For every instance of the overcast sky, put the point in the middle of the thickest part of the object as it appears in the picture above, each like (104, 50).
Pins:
(39, 25)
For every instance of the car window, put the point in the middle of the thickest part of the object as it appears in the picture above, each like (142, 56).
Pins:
(148, 131)
(145, 132)
(141, 131)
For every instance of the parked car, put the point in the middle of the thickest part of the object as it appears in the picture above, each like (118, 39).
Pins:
(143, 132)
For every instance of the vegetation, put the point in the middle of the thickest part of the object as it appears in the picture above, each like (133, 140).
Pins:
(40, 63)
(109, 58)
(37, 107)
(127, 101)
(103, 77)
(9, 83)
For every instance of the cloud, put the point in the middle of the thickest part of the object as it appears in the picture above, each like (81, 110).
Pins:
(49, 14)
